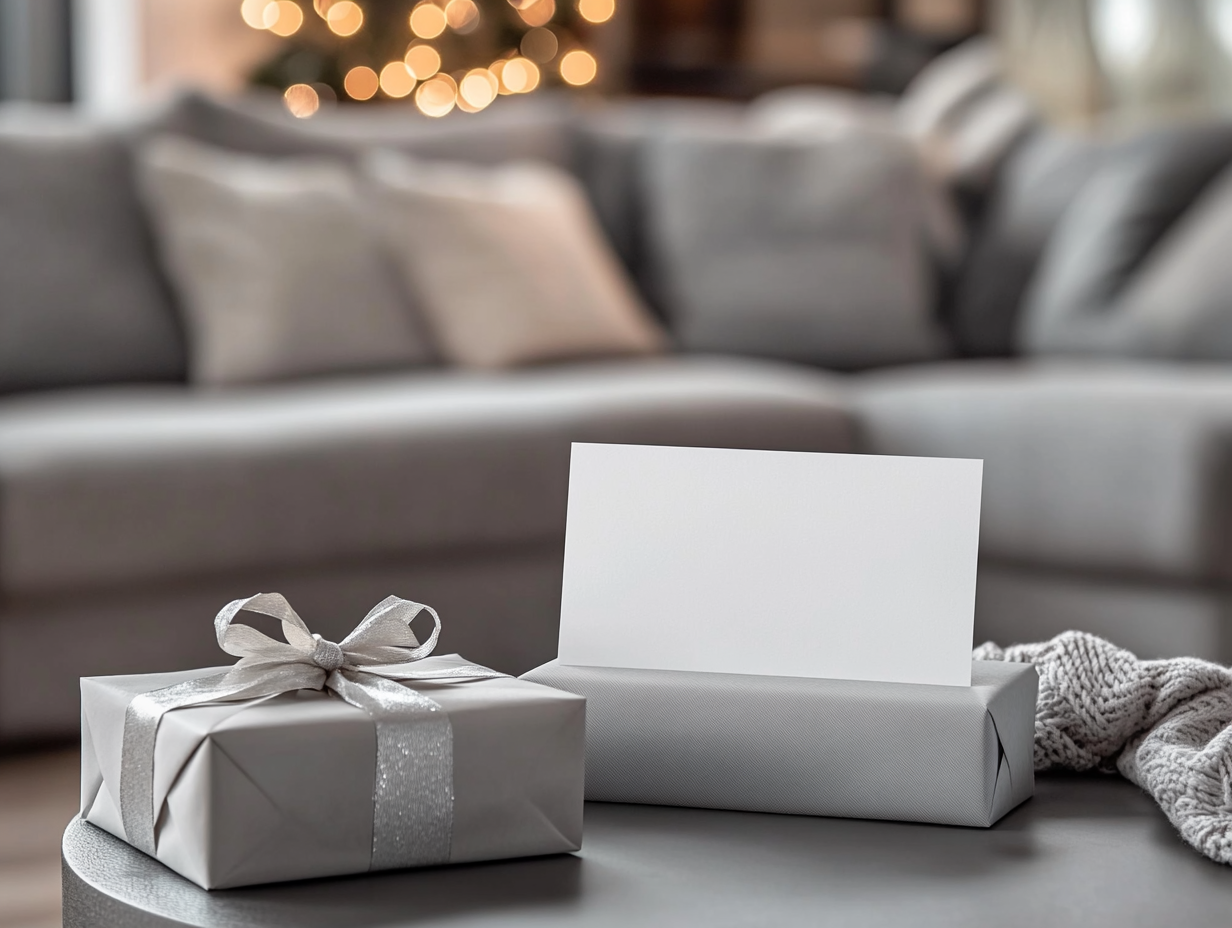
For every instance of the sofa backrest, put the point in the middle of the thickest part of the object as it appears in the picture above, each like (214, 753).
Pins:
(82, 300)
(519, 129)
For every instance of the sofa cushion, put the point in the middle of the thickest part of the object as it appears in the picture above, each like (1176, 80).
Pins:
(1178, 305)
(143, 484)
(804, 248)
(1032, 191)
(610, 147)
(279, 271)
(81, 299)
(1124, 468)
(1110, 235)
(966, 114)
(507, 264)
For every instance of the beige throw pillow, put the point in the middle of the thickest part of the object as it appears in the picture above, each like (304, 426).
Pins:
(278, 271)
(508, 264)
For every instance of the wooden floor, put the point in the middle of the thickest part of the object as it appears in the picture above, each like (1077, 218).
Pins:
(38, 795)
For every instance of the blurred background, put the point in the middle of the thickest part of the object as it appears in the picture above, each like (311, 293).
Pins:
(1079, 58)
(111, 53)
(283, 307)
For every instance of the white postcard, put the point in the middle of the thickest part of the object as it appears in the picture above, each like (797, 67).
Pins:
(844, 566)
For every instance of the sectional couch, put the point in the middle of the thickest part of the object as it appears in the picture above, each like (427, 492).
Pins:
(132, 506)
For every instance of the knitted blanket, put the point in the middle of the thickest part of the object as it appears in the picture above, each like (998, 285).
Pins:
(1166, 725)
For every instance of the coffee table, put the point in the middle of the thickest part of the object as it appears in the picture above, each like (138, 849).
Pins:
(1084, 851)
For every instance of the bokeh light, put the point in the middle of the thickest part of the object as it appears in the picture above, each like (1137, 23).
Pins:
(302, 100)
(496, 68)
(344, 17)
(578, 67)
(361, 83)
(540, 45)
(596, 11)
(253, 12)
(437, 97)
(396, 80)
(519, 75)
(477, 90)
(422, 61)
(287, 19)
(515, 71)
(428, 20)
(462, 16)
(538, 13)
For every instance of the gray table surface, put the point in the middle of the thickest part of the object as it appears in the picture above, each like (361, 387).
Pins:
(1084, 851)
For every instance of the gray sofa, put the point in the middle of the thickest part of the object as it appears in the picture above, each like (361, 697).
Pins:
(133, 506)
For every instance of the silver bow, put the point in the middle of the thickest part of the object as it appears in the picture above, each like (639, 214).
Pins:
(413, 789)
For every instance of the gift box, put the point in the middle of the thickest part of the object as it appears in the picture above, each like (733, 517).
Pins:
(311, 759)
(910, 752)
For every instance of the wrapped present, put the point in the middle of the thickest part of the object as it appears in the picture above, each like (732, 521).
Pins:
(309, 758)
(905, 751)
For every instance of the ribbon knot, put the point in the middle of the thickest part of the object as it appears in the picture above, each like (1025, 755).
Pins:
(327, 655)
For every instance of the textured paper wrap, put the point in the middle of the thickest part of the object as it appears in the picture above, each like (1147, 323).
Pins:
(281, 788)
(908, 752)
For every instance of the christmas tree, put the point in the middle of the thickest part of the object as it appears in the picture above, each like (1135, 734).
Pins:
(440, 54)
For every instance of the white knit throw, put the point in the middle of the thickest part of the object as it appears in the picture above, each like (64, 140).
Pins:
(1166, 725)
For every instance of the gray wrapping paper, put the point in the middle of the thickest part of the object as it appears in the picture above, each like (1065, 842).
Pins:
(281, 788)
(907, 752)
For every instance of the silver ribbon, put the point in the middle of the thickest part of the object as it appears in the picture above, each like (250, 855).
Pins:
(412, 798)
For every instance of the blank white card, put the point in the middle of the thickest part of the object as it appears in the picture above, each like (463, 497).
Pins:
(846, 566)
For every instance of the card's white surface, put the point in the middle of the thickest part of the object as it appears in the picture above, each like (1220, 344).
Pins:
(846, 566)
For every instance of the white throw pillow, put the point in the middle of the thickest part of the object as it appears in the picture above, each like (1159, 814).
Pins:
(277, 269)
(508, 264)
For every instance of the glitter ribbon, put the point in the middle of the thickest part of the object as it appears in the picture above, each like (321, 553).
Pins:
(412, 798)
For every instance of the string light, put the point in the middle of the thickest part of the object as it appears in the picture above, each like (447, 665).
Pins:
(396, 80)
(422, 61)
(302, 100)
(288, 17)
(428, 20)
(519, 75)
(540, 45)
(462, 16)
(361, 83)
(253, 12)
(596, 11)
(538, 12)
(344, 17)
(578, 67)
(437, 97)
(436, 94)
(477, 90)
(497, 68)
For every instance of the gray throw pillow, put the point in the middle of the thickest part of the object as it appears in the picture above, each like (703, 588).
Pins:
(1179, 305)
(810, 249)
(1034, 188)
(277, 269)
(1127, 227)
(81, 297)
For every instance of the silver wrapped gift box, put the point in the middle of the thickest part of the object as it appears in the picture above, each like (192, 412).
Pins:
(306, 782)
(900, 751)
